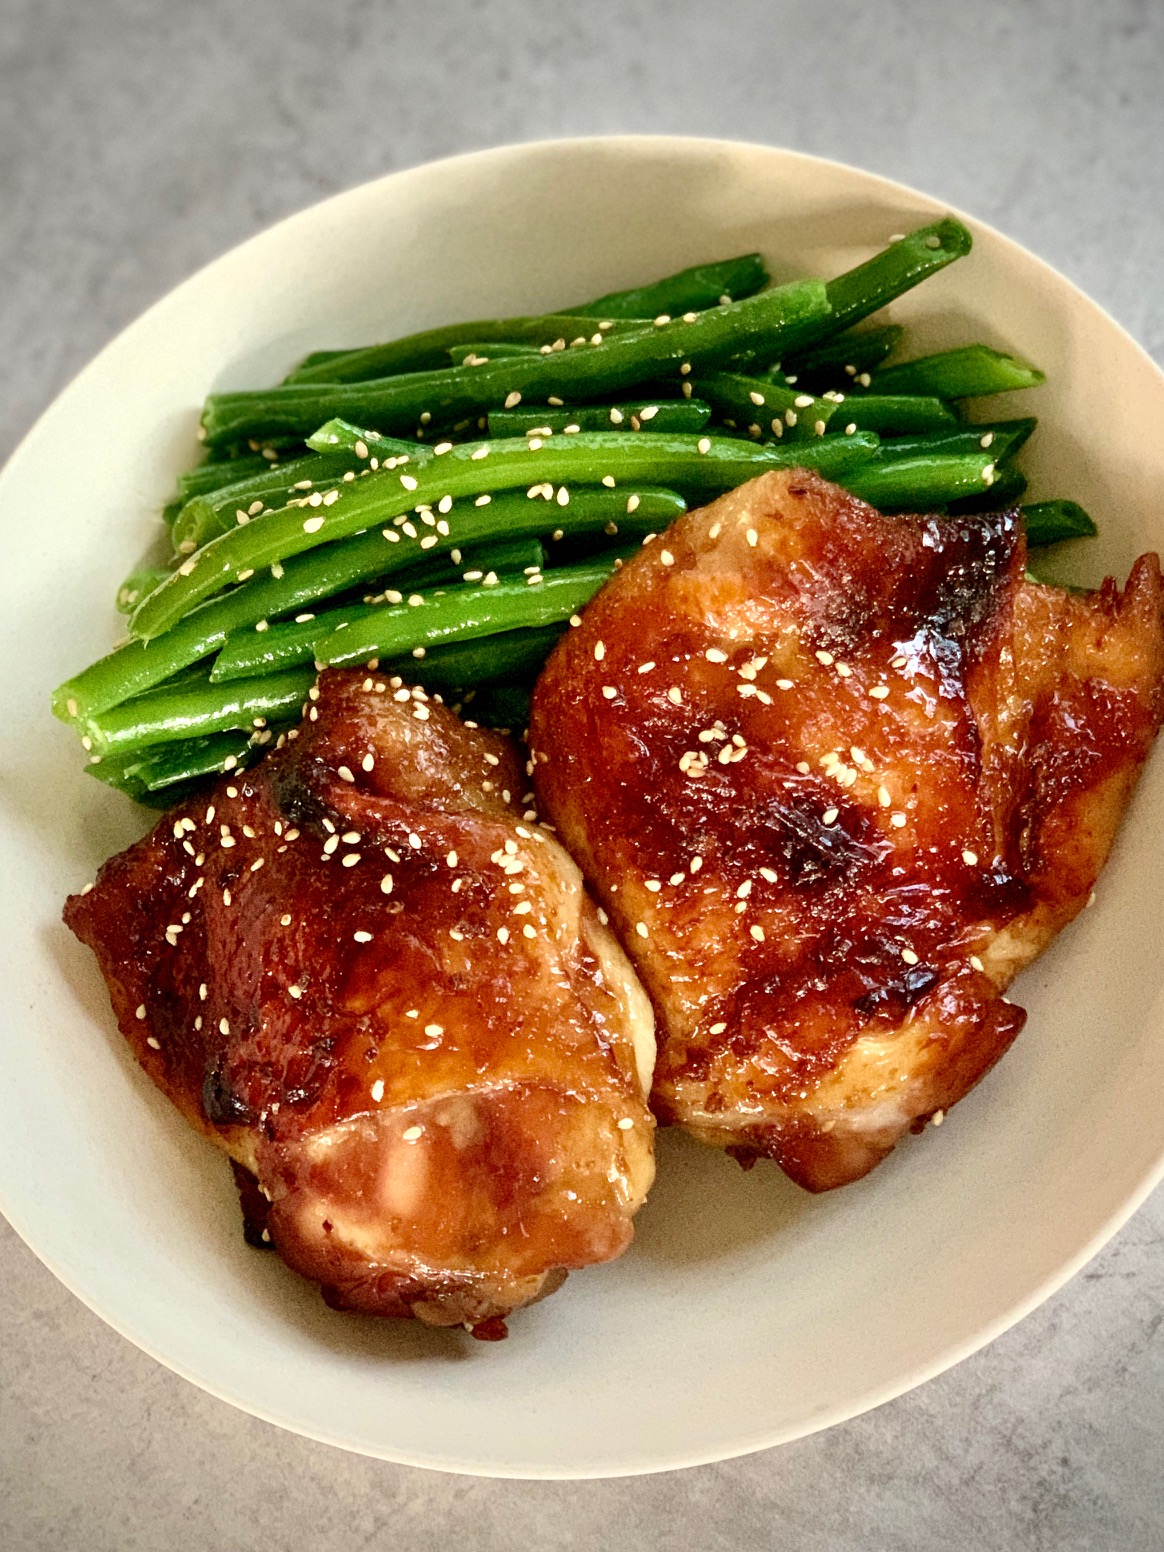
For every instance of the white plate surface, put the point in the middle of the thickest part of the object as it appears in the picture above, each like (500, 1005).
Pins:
(747, 1313)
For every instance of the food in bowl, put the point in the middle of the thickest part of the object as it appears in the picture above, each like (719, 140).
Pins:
(392, 1003)
(837, 778)
(435, 557)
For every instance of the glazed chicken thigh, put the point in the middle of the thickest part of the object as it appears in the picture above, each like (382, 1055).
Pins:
(837, 777)
(390, 1000)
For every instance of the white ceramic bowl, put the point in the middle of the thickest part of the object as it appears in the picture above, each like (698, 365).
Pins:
(747, 1313)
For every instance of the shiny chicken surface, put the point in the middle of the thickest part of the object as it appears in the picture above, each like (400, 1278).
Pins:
(389, 999)
(837, 777)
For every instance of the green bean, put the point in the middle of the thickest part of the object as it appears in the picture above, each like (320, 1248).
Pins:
(319, 357)
(196, 710)
(1002, 437)
(462, 613)
(251, 651)
(833, 362)
(429, 350)
(1006, 489)
(191, 759)
(641, 354)
(322, 573)
(764, 408)
(963, 373)
(897, 414)
(119, 772)
(702, 286)
(477, 352)
(514, 654)
(896, 269)
(922, 484)
(369, 447)
(340, 451)
(204, 517)
(635, 415)
(205, 477)
(709, 463)
(1050, 522)
(138, 585)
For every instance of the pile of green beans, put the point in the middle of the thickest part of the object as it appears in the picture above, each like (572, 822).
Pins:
(515, 465)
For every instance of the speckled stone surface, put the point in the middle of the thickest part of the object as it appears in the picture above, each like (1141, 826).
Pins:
(140, 138)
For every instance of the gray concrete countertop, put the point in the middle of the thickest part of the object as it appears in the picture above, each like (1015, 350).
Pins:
(140, 138)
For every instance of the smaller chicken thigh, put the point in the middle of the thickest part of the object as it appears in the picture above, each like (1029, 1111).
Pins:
(360, 971)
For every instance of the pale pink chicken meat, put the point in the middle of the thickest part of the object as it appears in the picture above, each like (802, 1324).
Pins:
(837, 777)
(359, 971)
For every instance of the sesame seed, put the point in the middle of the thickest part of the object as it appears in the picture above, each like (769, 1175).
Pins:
(752, 537)
(312, 524)
(675, 695)
(412, 1133)
(408, 481)
(512, 399)
(599, 651)
(662, 319)
(224, 1026)
(784, 684)
(897, 820)
(503, 934)
(970, 858)
(715, 655)
(908, 956)
(757, 932)
(883, 797)
(344, 774)
(826, 658)
(362, 937)
(879, 692)
(695, 864)
(350, 859)
(976, 963)
(295, 991)
(704, 444)
(666, 557)
(641, 929)
(829, 816)
(844, 670)
(609, 692)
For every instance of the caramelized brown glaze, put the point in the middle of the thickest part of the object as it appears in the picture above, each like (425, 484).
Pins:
(361, 973)
(837, 777)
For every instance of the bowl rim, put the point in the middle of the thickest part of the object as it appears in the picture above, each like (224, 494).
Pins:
(744, 1444)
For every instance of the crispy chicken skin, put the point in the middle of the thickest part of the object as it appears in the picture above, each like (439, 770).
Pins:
(392, 1003)
(837, 777)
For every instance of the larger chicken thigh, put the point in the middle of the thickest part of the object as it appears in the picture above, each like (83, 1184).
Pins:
(837, 777)
(387, 996)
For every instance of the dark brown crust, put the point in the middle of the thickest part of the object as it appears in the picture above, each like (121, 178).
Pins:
(428, 1096)
(1005, 723)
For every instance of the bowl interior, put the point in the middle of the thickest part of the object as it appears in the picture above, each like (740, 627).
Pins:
(747, 1312)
